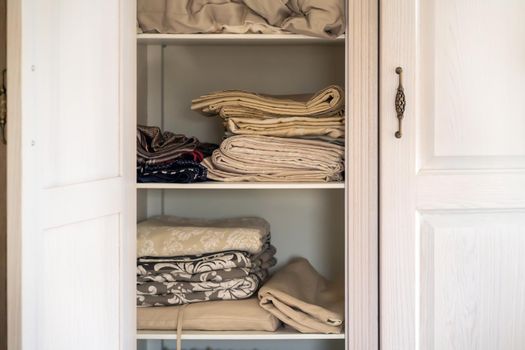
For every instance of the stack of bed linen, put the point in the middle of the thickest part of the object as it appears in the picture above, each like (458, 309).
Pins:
(169, 157)
(322, 18)
(277, 138)
(185, 261)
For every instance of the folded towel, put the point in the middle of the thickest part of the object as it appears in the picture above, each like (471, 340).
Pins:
(180, 293)
(209, 267)
(333, 127)
(301, 298)
(178, 171)
(327, 101)
(167, 236)
(263, 158)
(238, 315)
(322, 18)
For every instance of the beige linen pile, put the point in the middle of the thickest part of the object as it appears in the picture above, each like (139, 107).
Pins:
(301, 298)
(273, 159)
(174, 236)
(321, 18)
(231, 103)
(224, 315)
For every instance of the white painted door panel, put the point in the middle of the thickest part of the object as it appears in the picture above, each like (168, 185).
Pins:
(77, 100)
(453, 187)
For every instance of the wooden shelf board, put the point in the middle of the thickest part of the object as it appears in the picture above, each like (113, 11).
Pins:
(242, 185)
(283, 334)
(245, 39)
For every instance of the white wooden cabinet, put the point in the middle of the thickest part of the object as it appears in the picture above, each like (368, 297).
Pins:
(452, 189)
(435, 218)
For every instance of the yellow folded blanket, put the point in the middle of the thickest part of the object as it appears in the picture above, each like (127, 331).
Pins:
(301, 298)
(327, 101)
(333, 127)
(263, 158)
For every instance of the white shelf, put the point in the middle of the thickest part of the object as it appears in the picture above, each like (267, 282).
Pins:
(283, 334)
(245, 39)
(242, 185)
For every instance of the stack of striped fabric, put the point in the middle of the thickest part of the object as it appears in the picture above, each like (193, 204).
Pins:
(296, 138)
(183, 261)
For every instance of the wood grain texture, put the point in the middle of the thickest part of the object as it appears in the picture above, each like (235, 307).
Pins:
(397, 190)
(3, 193)
(362, 174)
(14, 174)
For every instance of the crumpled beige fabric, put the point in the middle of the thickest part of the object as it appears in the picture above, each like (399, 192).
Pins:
(174, 236)
(333, 127)
(274, 159)
(321, 18)
(327, 101)
(303, 299)
(224, 315)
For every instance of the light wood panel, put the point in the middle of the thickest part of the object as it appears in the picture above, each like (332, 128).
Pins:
(281, 334)
(362, 174)
(452, 188)
(66, 212)
(14, 175)
(3, 193)
(245, 39)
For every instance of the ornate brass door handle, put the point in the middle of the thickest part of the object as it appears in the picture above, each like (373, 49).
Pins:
(400, 103)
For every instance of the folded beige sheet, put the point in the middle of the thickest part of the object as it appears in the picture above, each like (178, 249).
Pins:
(174, 236)
(322, 18)
(327, 101)
(235, 315)
(333, 127)
(301, 298)
(263, 158)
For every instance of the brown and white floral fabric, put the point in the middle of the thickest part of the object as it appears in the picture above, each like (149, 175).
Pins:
(210, 267)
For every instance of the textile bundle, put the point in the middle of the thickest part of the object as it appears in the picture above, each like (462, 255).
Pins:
(321, 18)
(168, 157)
(183, 261)
(272, 159)
(296, 138)
(301, 298)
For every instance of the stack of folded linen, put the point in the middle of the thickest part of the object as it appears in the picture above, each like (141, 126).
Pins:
(168, 157)
(270, 138)
(183, 261)
(272, 159)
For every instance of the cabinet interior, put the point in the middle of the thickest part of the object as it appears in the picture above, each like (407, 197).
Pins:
(307, 221)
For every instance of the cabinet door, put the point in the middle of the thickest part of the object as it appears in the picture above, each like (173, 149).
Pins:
(71, 180)
(452, 241)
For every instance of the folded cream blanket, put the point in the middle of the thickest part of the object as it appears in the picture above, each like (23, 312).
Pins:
(301, 298)
(263, 158)
(225, 315)
(174, 236)
(333, 127)
(322, 18)
(327, 101)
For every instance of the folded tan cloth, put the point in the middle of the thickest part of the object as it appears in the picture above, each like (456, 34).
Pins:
(263, 158)
(327, 101)
(301, 298)
(235, 315)
(333, 127)
(174, 236)
(322, 18)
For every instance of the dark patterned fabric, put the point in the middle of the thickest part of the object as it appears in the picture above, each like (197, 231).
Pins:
(228, 275)
(179, 171)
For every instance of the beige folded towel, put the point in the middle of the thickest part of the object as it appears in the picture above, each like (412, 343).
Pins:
(263, 158)
(301, 298)
(333, 127)
(327, 101)
(235, 315)
(174, 236)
